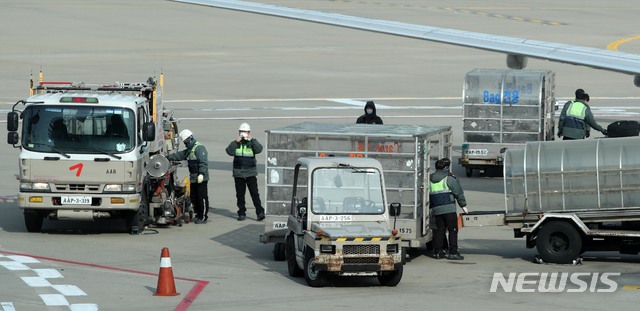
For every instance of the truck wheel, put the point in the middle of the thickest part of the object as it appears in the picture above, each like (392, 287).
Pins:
(558, 242)
(138, 219)
(278, 252)
(313, 276)
(290, 253)
(468, 171)
(391, 278)
(135, 222)
(33, 220)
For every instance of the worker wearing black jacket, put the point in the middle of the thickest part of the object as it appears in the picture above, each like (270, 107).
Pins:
(243, 150)
(369, 116)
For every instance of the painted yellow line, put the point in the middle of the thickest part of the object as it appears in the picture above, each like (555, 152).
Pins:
(614, 46)
(631, 287)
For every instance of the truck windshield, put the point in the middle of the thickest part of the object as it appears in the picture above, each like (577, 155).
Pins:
(78, 129)
(347, 190)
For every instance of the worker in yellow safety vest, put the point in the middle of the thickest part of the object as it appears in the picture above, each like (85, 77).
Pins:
(444, 191)
(243, 150)
(576, 118)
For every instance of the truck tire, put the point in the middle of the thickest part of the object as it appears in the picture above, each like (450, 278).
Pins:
(290, 253)
(623, 128)
(33, 220)
(558, 242)
(278, 252)
(137, 220)
(314, 277)
(468, 171)
(390, 278)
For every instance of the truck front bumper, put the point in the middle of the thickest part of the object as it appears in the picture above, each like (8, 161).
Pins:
(86, 201)
(339, 263)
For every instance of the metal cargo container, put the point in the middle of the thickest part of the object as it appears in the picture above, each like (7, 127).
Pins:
(571, 176)
(406, 153)
(503, 109)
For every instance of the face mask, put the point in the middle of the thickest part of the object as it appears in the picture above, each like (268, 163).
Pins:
(369, 111)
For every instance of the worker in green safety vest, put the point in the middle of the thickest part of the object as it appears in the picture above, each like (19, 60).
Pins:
(243, 150)
(197, 159)
(576, 118)
(444, 191)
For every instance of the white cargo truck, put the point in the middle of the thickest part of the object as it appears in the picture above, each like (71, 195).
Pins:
(406, 153)
(569, 197)
(93, 151)
(503, 109)
(339, 222)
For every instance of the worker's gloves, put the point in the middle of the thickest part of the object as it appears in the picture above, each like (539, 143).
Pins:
(200, 178)
(465, 210)
(605, 132)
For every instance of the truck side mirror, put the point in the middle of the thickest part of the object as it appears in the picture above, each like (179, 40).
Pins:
(12, 138)
(12, 121)
(302, 207)
(394, 209)
(148, 131)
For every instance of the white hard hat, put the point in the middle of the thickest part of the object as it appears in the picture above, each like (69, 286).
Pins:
(245, 127)
(184, 134)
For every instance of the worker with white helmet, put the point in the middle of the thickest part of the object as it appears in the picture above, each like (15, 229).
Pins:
(243, 150)
(197, 161)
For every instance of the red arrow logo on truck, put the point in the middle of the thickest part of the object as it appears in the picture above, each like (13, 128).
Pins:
(77, 166)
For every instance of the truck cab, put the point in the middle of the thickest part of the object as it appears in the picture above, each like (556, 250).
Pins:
(339, 222)
(86, 149)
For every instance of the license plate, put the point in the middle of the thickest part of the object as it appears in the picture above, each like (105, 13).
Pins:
(76, 200)
(336, 218)
(481, 152)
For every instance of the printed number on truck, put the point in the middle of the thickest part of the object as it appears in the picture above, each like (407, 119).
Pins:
(482, 152)
(335, 218)
(76, 200)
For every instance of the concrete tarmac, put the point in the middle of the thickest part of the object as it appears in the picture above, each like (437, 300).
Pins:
(223, 68)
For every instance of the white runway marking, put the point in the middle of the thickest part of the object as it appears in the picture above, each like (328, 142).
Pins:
(84, 307)
(23, 259)
(54, 300)
(69, 290)
(18, 263)
(7, 306)
(13, 266)
(357, 103)
(48, 273)
(316, 117)
(35, 281)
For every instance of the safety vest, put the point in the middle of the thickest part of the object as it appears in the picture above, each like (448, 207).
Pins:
(244, 151)
(192, 159)
(440, 194)
(575, 115)
(244, 157)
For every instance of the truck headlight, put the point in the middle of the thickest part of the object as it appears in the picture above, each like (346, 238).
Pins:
(392, 248)
(327, 249)
(120, 188)
(35, 186)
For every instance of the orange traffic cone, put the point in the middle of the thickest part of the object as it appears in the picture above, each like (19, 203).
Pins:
(166, 284)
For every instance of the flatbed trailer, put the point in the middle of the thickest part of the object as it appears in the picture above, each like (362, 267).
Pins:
(569, 197)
